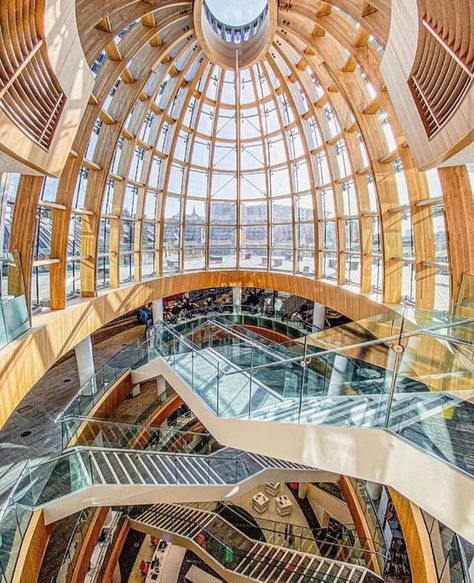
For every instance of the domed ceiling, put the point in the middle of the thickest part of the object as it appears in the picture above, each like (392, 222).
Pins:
(287, 158)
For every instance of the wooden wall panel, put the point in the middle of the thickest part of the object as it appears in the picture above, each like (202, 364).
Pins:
(24, 227)
(114, 556)
(459, 209)
(359, 519)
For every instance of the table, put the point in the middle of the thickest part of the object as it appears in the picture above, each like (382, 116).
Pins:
(168, 561)
(272, 488)
(284, 505)
(260, 502)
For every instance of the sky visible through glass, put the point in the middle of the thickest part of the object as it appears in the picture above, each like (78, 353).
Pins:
(236, 12)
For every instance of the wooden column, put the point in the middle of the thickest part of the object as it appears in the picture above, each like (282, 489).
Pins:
(23, 235)
(459, 209)
(417, 540)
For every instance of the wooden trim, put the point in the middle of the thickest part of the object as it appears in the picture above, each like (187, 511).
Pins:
(88, 544)
(32, 549)
(114, 556)
(360, 521)
(417, 540)
(459, 213)
(24, 227)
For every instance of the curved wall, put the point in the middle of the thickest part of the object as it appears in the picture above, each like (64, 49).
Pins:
(55, 333)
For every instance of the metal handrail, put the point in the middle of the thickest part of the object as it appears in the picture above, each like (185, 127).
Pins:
(232, 507)
(134, 426)
(250, 341)
(385, 340)
(255, 556)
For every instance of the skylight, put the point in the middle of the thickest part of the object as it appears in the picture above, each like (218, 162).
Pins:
(236, 12)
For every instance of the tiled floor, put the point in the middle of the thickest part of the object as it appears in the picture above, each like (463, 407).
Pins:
(130, 409)
(31, 431)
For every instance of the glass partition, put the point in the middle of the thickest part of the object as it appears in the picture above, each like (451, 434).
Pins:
(14, 317)
(98, 433)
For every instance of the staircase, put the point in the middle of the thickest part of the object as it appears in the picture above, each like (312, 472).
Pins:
(237, 398)
(245, 557)
(83, 468)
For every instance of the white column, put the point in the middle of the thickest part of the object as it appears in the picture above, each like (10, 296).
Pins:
(85, 360)
(157, 309)
(237, 298)
(160, 386)
(319, 316)
(338, 375)
(374, 490)
(322, 516)
(302, 490)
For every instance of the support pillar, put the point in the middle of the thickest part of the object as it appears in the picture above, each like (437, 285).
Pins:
(85, 360)
(374, 490)
(136, 390)
(338, 375)
(157, 309)
(302, 487)
(160, 385)
(319, 316)
(237, 299)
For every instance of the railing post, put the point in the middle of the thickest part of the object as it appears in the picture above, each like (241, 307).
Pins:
(250, 386)
(217, 387)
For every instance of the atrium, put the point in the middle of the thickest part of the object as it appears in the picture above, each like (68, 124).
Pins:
(237, 291)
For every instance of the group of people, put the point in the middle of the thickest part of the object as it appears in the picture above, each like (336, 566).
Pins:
(254, 300)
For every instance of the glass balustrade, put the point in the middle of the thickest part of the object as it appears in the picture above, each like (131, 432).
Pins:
(316, 541)
(98, 433)
(230, 548)
(410, 376)
(452, 555)
(245, 316)
(54, 477)
(76, 540)
(415, 381)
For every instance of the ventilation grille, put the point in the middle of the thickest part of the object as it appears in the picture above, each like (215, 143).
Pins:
(30, 93)
(444, 66)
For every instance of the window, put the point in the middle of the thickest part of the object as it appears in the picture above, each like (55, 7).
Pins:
(402, 188)
(439, 235)
(81, 188)
(8, 189)
(342, 158)
(408, 249)
(130, 201)
(330, 265)
(50, 188)
(349, 198)
(136, 167)
(93, 140)
(44, 231)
